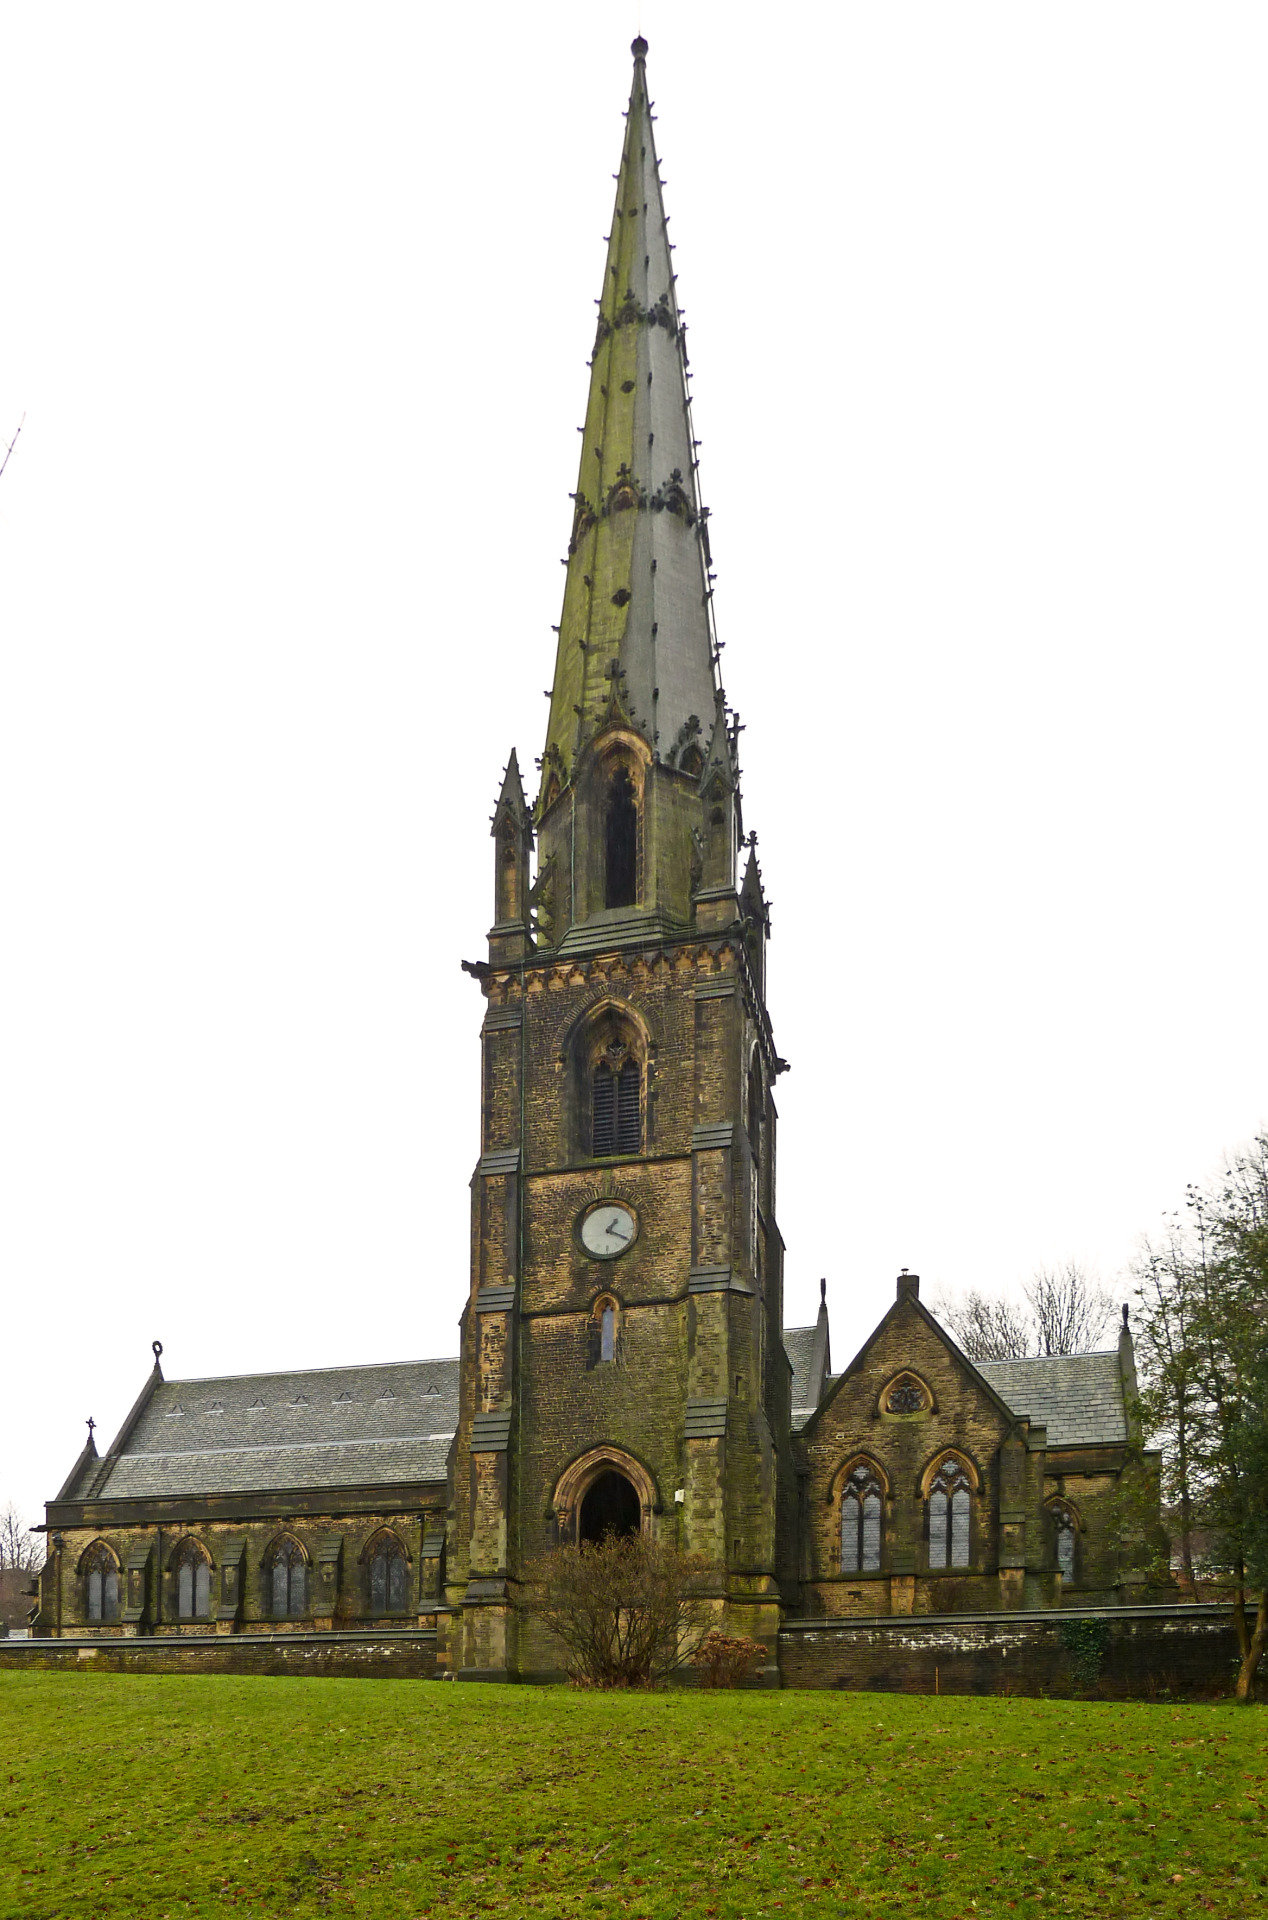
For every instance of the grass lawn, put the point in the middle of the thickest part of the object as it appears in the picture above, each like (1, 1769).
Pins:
(191, 1796)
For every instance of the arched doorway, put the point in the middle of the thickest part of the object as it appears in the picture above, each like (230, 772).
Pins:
(610, 1506)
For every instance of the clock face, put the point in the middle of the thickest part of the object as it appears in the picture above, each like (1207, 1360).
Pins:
(608, 1230)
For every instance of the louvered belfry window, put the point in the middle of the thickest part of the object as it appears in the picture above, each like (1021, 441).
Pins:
(616, 1102)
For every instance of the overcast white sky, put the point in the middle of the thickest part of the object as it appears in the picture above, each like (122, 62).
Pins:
(297, 303)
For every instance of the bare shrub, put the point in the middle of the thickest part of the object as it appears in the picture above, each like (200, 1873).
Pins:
(627, 1612)
(724, 1661)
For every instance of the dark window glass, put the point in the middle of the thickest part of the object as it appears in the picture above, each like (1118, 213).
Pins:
(389, 1576)
(607, 1333)
(621, 842)
(94, 1593)
(861, 1522)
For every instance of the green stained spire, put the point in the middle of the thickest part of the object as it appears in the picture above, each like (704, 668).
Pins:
(637, 586)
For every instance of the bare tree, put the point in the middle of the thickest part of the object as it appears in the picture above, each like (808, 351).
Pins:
(626, 1611)
(1069, 1311)
(986, 1326)
(1065, 1312)
(21, 1550)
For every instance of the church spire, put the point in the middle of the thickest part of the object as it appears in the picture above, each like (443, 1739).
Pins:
(635, 621)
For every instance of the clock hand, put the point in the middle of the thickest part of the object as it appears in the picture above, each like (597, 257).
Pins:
(614, 1233)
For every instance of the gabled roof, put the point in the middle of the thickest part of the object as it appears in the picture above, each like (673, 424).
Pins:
(1077, 1396)
(810, 1357)
(279, 1432)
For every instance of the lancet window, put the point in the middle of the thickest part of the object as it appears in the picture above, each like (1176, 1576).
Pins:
(603, 1329)
(193, 1582)
(388, 1575)
(621, 842)
(1066, 1529)
(288, 1580)
(950, 1509)
(862, 1512)
(101, 1582)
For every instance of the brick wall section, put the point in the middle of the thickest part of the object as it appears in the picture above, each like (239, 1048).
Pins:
(1184, 1652)
(367, 1657)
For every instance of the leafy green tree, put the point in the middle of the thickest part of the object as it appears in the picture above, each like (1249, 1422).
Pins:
(1203, 1355)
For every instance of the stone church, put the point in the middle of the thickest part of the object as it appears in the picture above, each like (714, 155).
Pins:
(623, 1356)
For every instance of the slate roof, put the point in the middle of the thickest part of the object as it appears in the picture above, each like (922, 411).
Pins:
(1077, 1396)
(275, 1432)
(799, 1345)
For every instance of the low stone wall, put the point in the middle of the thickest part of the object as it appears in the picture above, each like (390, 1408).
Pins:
(398, 1655)
(1116, 1653)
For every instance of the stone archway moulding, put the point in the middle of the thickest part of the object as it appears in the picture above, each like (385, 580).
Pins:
(576, 1480)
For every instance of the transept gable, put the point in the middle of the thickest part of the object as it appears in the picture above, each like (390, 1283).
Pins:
(908, 1344)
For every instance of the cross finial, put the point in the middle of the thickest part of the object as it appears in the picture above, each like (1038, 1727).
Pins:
(91, 1425)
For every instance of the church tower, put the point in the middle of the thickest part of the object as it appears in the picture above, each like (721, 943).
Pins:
(622, 1361)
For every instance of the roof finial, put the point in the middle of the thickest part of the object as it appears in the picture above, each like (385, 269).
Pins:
(823, 1293)
(90, 1423)
(638, 47)
(157, 1346)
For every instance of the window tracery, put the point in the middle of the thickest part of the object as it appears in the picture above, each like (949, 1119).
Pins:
(907, 1394)
(193, 1581)
(1066, 1538)
(288, 1580)
(862, 1510)
(101, 1582)
(950, 1508)
(388, 1575)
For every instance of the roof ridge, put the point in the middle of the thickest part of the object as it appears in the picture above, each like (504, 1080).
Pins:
(348, 1366)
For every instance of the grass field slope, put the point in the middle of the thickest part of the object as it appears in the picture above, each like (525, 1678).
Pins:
(199, 1796)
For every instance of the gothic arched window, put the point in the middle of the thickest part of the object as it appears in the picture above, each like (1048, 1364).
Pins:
(862, 1511)
(616, 1120)
(755, 1114)
(603, 1328)
(101, 1582)
(389, 1575)
(288, 1580)
(1066, 1530)
(620, 842)
(950, 1509)
(193, 1581)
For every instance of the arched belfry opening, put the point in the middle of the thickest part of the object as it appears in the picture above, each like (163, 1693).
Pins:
(609, 1506)
(620, 831)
